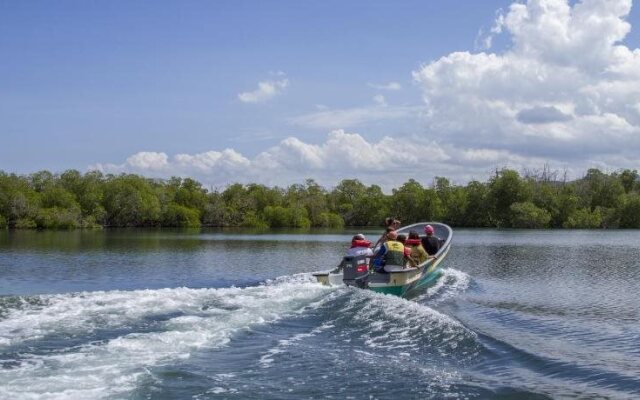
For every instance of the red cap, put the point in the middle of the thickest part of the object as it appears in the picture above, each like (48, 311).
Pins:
(428, 229)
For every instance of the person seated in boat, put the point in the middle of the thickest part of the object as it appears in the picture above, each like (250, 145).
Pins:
(418, 253)
(409, 261)
(430, 242)
(360, 246)
(391, 253)
(390, 224)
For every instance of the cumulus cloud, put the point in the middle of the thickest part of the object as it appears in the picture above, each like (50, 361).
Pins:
(385, 86)
(386, 162)
(265, 91)
(567, 91)
(148, 160)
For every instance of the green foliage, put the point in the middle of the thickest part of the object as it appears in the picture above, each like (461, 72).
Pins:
(628, 179)
(527, 215)
(19, 202)
(54, 196)
(299, 218)
(583, 218)
(372, 208)
(214, 213)
(189, 193)
(330, 220)
(357, 204)
(506, 188)
(71, 199)
(452, 201)
(600, 190)
(409, 203)
(279, 217)
(345, 199)
(253, 220)
(41, 180)
(567, 204)
(58, 218)
(177, 215)
(477, 211)
(25, 223)
(131, 201)
(630, 212)
(610, 217)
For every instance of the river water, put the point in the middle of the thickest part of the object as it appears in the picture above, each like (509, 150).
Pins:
(139, 314)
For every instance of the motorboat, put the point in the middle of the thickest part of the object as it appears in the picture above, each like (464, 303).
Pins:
(396, 280)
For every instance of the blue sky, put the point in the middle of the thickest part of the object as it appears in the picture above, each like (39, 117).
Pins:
(164, 88)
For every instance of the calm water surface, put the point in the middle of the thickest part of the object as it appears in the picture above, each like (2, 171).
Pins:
(138, 314)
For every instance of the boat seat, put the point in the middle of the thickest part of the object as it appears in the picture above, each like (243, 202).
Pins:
(393, 268)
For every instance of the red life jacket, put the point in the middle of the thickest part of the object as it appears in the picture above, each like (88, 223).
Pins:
(360, 243)
(413, 242)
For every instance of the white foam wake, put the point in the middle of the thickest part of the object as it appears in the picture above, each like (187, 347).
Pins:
(398, 324)
(450, 284)
(206, 318)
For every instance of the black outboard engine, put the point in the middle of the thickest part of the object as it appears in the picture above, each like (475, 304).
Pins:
(355, 270)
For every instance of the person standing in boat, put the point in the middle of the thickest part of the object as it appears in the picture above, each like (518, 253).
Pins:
(391, 253)
(360, 246)
(431, 243)
(418, 253)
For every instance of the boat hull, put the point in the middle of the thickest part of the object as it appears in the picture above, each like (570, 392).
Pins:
(405, 287)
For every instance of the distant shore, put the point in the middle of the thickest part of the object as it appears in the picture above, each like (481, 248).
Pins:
(540, 200)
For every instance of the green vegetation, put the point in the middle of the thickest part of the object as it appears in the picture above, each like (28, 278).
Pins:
(70, 200)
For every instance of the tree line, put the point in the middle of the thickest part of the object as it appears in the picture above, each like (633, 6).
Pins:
(508, 199)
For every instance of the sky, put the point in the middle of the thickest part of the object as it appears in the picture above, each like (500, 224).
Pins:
(279, 92)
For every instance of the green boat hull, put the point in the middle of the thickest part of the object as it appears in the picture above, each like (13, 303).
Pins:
(405, 290)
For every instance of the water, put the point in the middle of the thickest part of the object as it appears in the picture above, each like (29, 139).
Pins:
(138, 314)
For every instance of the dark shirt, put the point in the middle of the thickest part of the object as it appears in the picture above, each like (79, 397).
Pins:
(431, 244)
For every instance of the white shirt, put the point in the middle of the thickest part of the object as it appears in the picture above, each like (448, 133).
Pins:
(359, 251)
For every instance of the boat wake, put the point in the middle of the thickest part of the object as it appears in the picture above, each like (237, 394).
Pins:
(99, 344)
(450, 285)
(113, 343)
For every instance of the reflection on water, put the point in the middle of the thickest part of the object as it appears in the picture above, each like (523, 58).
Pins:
(56, 262)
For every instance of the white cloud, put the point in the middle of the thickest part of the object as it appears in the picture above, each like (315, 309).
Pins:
(328, 119)
(265, 91)
(148, 160)
(385, 86)
(567, 91)
(342, 155)
(485, 41)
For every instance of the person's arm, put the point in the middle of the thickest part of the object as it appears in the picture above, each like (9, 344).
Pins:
(408, 258)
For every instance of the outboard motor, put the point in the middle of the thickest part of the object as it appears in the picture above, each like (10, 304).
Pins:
(355, 270)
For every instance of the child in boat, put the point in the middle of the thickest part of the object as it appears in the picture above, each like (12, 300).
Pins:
(407, 252)
(418, 253)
